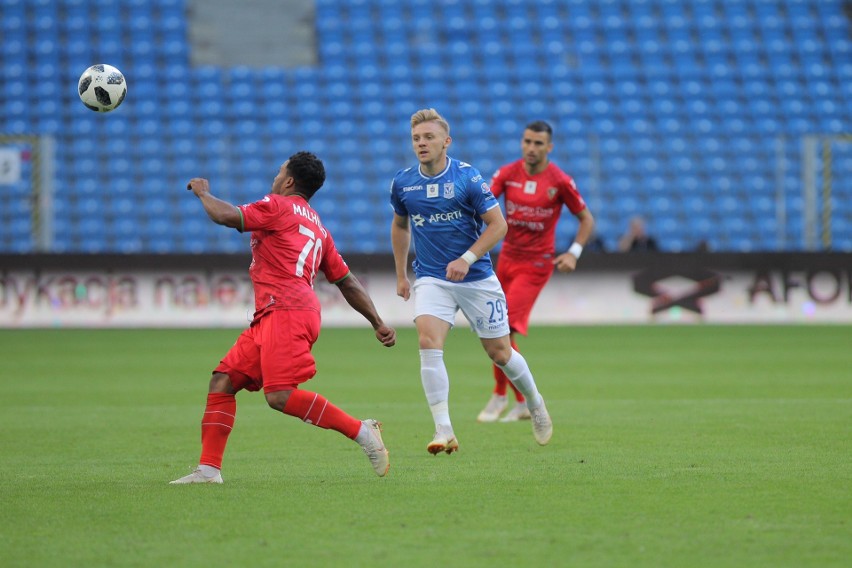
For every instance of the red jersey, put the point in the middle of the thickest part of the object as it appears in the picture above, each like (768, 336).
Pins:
(533, 206)
(288, 246)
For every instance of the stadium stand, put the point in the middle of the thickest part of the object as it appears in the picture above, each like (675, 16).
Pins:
(691, 113)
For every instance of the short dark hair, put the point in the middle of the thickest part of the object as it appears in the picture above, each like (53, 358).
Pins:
(308, 172)
(540, 126)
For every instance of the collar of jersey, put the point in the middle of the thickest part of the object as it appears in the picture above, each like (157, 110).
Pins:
(419, 171)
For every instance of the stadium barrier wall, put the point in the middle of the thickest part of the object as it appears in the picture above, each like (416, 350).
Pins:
(44, 290)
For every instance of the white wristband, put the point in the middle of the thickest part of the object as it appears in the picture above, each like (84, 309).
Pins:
(576, 249)
(469, 257)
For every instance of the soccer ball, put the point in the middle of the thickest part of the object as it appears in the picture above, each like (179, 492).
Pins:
(102, 88)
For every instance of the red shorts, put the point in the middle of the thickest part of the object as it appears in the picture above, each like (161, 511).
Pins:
(274, 353)
(522, 282)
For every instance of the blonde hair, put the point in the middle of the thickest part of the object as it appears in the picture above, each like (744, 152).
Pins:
(427, 115)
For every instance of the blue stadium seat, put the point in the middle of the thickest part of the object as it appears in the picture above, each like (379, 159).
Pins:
(693, 94)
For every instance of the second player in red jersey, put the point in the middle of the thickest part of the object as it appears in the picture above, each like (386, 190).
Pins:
(534, 190)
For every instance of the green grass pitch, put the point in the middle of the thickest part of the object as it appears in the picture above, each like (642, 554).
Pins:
(673, 446)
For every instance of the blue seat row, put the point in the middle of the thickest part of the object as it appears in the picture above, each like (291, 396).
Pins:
(681, 111)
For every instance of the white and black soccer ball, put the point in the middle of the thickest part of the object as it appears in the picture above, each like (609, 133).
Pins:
(102, 88)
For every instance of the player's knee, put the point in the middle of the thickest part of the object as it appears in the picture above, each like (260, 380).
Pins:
(220, 382)
(501, 359)
(499, 353)
(427, 342)
(277, 400)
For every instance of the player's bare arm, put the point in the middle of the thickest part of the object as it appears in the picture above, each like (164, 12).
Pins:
(495, 229)
(357, 297)
(401, 244)
(220, 212)
(567, 261)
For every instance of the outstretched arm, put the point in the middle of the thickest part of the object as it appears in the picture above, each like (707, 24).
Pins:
(357, 297)
(219, 211)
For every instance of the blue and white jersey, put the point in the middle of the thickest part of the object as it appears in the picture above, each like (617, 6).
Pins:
(445, 215)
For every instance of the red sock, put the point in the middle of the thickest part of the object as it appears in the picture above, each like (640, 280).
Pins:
(313, 408)
(501, 381)
(216, 426)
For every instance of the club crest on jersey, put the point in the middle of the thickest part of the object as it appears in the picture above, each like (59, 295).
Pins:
(449, 190)
(551, 192)
(431, 190)
(529, 187)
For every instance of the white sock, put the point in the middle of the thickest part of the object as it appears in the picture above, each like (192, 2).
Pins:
(436, 385)
(208, 470)
(519, 373)
(364, 435)
(441, 416)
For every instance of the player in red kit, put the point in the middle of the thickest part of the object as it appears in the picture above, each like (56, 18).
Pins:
(289, 247)
(535, 191)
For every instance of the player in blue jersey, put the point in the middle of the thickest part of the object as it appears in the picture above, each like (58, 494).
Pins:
(455, 221)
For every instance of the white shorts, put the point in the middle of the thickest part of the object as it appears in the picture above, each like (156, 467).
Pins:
(483, 303)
